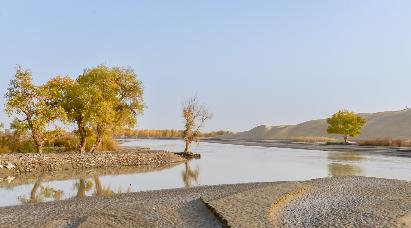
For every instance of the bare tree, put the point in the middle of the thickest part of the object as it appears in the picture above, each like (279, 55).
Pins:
(195, 115)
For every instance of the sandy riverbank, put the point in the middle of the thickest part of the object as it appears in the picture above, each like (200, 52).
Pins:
(393, 151)
(71, 162)
(344, 201)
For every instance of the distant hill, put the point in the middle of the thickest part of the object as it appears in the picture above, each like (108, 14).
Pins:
(390, 124)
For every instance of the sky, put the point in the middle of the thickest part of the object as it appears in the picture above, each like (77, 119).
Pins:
(252, 62)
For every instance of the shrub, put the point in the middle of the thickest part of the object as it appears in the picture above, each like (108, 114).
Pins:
(108, 144)
(67, 141)
(27, 146)
(313, 139)
(385, 142)
(4, 149)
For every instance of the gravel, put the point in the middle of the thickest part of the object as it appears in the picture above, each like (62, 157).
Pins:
(349, 202)
(327, 202)
(44, 163)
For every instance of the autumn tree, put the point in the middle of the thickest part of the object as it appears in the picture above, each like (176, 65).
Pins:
(100, 102)
(76, 101)
(117, 99)
(195, 115)
(345, 123)
(28, 103)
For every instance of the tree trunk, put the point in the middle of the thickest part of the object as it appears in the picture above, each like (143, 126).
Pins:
(40, 148)
(345, 138)
(82, 143)
(38, 141)
(187, 147)
(37, 137)
(83, 138)
(98, 142)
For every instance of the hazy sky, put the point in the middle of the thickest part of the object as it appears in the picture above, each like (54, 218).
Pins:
(252, 62)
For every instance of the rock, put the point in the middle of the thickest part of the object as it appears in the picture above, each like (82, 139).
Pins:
(10, 166)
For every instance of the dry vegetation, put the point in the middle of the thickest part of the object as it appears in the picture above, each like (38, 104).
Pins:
(166, 133)
(312, 139)
(385, 142)
(11, 143)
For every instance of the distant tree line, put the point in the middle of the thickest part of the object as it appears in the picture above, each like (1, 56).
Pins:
(166, 133)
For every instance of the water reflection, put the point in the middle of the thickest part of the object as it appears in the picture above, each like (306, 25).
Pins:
(40, 193)
(190, 176)
(82, 187)
(344, 164)
(100, 189)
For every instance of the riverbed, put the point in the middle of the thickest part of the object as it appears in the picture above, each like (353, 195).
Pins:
(219, 164)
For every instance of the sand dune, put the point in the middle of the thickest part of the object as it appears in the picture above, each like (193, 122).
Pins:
(389, 124)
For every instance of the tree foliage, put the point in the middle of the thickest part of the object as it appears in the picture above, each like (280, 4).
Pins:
(100, 102)
(195, 115)
(345, 123)
(28, 103)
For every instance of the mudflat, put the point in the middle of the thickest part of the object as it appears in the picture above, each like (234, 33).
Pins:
(326, 202)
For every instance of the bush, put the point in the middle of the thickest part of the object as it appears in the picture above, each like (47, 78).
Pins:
(13, 144)
(63, 143)
(27, 146)
(4, 149)
(70, 142)
(314, 139)
(385, 142)
(67, 141)
(108, 144)
(6, 144)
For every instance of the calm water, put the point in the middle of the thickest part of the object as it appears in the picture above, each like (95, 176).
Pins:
(220, 164)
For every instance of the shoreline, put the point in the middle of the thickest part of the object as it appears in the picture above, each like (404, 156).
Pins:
(29, 164)
(372, 202)
(391, 151)
(30, 178)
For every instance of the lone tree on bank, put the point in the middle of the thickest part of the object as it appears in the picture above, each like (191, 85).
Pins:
(345, 123)
(195, 115)
(29, 104)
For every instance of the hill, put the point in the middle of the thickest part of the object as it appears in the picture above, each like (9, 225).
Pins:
(389, 124)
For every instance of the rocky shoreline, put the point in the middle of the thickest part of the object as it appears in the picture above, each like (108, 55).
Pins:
(19, 164)
(325, 202)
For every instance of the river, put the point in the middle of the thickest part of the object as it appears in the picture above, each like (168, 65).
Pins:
(219, 164)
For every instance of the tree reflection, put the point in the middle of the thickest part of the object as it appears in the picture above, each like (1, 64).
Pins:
(82, 187)
(343, 164)
(100, 190)
(190, 176)
(40, 193)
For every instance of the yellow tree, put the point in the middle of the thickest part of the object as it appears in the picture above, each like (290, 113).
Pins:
(345, 123)
(100, 102)
(76, 101)
(117, 97)
(195, 115)
(28, 103)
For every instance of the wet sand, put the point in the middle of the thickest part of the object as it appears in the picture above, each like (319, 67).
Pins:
(342, 201)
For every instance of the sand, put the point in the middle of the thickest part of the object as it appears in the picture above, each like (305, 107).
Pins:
(326, 202)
